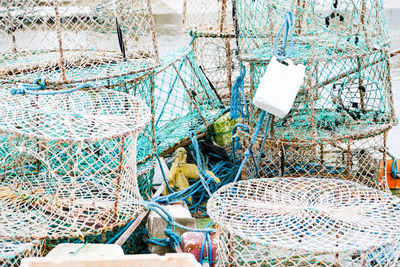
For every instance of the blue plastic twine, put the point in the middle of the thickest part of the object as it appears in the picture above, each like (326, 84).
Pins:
(238, 97)
(39, 85)
(280, 53)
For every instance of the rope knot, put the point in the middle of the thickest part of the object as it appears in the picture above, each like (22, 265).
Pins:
(174, 238)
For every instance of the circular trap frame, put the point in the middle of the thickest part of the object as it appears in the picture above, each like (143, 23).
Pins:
(305, 222)
(68, 165)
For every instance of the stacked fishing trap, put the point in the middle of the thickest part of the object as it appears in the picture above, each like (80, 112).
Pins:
(305, 222)
(76, 41)
(68, 163)
(210, 24)
(74, 160)
(338, 124)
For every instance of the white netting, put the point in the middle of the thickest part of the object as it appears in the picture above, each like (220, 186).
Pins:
(77, 40)
(305, 222)
(68, 163)
(208, 16)
(12, 252)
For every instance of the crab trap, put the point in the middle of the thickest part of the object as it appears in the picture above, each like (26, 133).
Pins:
(75, 41)
(321, 27)
(12, 252)
(210, 24)
(305, 222)
(68, 163)
(180, 98)
(337, 126)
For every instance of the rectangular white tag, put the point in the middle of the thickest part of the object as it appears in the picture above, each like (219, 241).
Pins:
(279, 87)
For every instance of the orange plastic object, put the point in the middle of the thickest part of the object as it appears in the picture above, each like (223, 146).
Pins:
(392, 181)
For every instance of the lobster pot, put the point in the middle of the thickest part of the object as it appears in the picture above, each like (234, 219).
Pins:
(305, 222)
(320, 26)
(75, 41)
(68, 163)
(181, 100)
(215, 55)
(12, 252)
(361, 160)
(337, 125)
(210, 23)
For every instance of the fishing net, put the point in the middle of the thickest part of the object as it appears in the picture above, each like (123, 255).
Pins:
(181, 101)
(214, 44)
(12, 252)
(68, 162)
(337, 125)
(305, 222)
(145, 175)
(75, 41)
(321, 27)
(208, 16)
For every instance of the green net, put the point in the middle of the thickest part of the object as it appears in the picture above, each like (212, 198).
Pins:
(181, 100)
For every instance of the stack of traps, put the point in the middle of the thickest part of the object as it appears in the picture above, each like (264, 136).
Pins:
(68, 163)
(76, 41)
(305, 222)
(339, 121)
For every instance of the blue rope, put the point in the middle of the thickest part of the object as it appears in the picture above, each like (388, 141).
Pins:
(163, 174)
(238, 97)
(203, 175)
(208, 245)
(395, 171)
(39, 84)
(248, 152)
(160, 210)
(280, 53)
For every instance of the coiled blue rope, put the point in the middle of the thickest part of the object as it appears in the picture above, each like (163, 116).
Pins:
(38, 86)
(280, 53)
(238, 97)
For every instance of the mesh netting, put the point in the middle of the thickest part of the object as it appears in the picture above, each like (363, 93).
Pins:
(305, 222)
(215, 56)
(208, 16)
(339, 98)
(340, 117)
(360, 160)
(328, 28)
(181, 100)
(12, 252)
(145, 175)
(210, 23)
(75, 41)
(68, 163)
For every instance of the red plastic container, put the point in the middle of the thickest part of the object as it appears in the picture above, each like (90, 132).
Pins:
(192, 241)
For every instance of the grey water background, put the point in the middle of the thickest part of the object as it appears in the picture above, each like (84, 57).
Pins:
(171, 36)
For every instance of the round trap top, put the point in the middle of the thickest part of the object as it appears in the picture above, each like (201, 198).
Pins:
(318, 215)
(84, 115)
